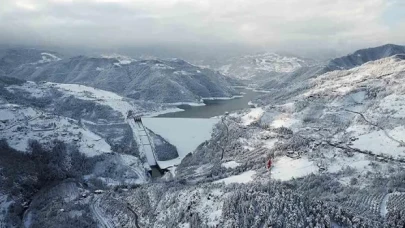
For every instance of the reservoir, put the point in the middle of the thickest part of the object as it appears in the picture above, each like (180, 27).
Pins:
(215, 107)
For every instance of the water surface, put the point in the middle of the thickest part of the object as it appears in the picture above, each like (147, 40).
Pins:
(215, 107)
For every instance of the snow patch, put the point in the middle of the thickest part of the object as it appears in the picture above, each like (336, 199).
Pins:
(6, 115)
(283, 120)
(254, 115)
(383, 206)
(378, 142)
(230, 164)
(285, 168)
(395, 104)
(244, 177)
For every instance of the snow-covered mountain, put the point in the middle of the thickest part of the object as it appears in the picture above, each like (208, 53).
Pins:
(337, 152)
(166, 81)
(334, 139)
(52, 131)
(337, 159)
(11, 59)
(262, 65)
(337, 142)
(293, 80)
(365, 55)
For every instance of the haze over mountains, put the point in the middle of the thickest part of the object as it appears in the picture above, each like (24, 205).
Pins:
(262, 65)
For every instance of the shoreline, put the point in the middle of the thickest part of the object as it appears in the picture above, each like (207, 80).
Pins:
(176, 105)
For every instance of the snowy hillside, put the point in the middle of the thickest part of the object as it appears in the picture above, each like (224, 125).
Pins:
(345, 118)
(321, 149)
(365, 55)
(251, 66)
(19, 58)
(83, 130)
(343, 130)
(165, 81)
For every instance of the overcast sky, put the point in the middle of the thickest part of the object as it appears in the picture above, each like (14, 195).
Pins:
(262, 24)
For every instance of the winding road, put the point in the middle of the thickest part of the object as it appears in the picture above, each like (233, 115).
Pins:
(95, 208)
(135, 215)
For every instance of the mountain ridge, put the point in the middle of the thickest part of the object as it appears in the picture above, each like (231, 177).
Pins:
(362, 56)
(252, 66)
(165, 81)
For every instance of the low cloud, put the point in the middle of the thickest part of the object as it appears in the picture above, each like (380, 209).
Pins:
(267, 24)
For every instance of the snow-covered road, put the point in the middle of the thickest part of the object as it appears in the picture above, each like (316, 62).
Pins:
(95, 208)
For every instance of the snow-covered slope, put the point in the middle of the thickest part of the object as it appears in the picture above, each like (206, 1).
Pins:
(259, 65)
(335, 142)
(113, 100)
(344, 115)
(18, 58)
(340, 133)
(93, 120)
(357, 112)
(21, 124)
(166, 81)
(365, 55)
(84, 131)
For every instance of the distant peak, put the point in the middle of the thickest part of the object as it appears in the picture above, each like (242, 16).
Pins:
(362, 56)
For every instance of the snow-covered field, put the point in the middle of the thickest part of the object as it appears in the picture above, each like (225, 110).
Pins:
(379, 141)
(103, 97)
(285, 168)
